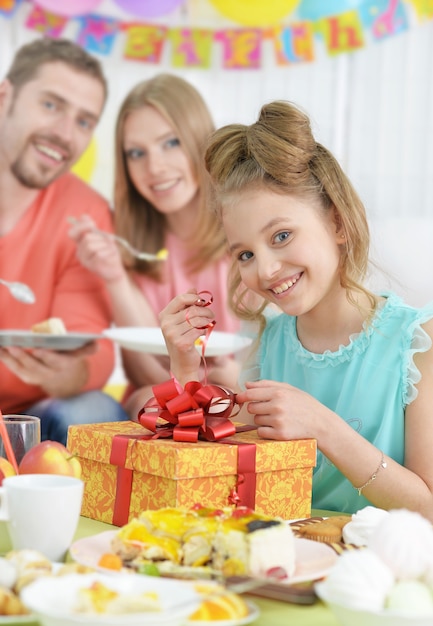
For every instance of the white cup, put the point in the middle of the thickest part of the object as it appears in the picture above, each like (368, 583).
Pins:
(42, 512)
(24, 432)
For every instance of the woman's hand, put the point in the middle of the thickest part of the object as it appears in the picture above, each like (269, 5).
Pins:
(182, 322)
(95, 251)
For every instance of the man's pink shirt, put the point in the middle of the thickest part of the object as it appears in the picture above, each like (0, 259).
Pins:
(39, 252)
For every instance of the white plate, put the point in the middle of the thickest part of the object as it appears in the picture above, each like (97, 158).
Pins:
(253, 614)
(27, 339)
(313, 559)
(53, 599)
(151, 340)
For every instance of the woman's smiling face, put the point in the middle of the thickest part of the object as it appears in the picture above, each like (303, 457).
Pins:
(287, 249)
(157, 163)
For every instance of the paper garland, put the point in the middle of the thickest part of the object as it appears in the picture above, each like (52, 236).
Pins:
(238, 48)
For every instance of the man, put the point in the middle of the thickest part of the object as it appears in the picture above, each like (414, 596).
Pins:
(50, 103)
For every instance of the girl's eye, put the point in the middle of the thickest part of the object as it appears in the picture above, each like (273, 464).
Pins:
(245, 256)
(133, 154)
(281, 237)
(173, 142)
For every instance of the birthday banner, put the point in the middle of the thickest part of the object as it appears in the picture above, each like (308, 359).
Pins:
(294, 28)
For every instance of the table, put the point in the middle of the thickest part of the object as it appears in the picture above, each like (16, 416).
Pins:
(272, 612)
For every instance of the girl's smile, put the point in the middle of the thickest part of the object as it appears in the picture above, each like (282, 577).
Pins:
(283, 287)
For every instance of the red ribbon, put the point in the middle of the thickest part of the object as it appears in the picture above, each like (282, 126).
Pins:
(196, 411)
(208, 327)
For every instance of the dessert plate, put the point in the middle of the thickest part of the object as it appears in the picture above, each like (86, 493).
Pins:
(54, 600)
(313, 559)
(253, 614)
(28, 339)
(151, 340)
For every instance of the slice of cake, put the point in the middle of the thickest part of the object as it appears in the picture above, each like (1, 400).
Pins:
(231, 542)
(51, 326)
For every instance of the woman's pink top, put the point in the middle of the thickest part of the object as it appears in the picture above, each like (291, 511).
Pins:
(212, 278)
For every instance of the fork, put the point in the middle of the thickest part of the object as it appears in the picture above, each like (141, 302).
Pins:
(161, 255)
(264, 587)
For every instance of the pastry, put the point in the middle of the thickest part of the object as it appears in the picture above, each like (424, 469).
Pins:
(362, 524)
(329, 530)
(229, 541)
(51, 326)
(408, 559)
(10, 604)
(359, 579)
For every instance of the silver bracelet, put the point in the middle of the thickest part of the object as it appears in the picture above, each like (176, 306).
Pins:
(383, 464)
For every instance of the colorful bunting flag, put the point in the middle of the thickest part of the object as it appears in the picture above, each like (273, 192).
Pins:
(341, 31)
(45, 23)
(97, 34)
(144, 42)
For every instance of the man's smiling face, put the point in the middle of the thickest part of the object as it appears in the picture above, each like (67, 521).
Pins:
(47, 124)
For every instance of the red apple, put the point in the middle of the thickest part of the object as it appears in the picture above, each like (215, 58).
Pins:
(50, 457)
(6, 469)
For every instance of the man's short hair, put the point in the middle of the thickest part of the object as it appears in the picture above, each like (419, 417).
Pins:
(30, 57)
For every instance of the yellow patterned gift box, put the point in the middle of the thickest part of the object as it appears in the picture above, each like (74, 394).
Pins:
(125, 473)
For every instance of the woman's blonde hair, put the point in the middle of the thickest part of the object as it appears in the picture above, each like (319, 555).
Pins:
(136, 218)
(279, 152)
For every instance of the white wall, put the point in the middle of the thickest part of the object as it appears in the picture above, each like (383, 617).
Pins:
(372, 108)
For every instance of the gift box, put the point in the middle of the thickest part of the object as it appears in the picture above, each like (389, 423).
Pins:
(125, 472)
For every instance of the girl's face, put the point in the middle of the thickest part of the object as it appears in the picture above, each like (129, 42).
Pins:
(287, 249)
(157, 164)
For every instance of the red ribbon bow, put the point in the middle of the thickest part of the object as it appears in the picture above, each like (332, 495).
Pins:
(196, 411)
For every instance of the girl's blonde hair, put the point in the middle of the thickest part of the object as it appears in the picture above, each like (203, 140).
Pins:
(138, 220)
(279, 152)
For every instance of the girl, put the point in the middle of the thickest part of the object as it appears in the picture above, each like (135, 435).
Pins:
(340, 364)
(159, 203)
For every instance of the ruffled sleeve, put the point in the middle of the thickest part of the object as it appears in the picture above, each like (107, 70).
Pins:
(419, 341)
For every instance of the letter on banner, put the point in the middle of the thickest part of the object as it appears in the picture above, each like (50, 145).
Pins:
(341, 33)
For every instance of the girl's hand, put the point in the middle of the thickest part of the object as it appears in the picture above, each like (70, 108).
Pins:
(283, 412)
(180, 323)
(95, 251)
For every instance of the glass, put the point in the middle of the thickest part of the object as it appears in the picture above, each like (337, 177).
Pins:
(24, 432)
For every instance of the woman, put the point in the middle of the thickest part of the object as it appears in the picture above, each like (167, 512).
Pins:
(160, 202)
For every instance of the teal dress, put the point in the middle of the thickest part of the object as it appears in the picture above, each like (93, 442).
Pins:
(368, 383)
